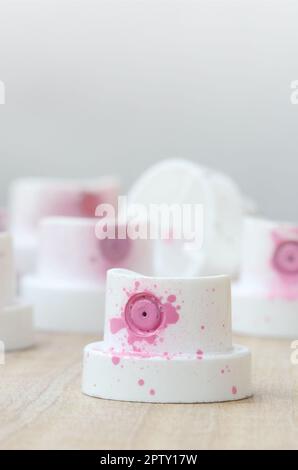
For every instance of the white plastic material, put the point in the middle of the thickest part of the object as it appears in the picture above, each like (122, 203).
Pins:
(3, 219)
(68, 289)
(16, 321)
(65, 306)
(183, 182)
(167, 340)
(32, 199)
(265, 299)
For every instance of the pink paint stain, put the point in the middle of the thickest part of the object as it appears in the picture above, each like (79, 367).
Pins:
(89, 203)
(234, 390)
(115, 360)
(200, 354)
(116, 325)
(141, 382)
(284, 263)
(152, 392)
(167, 356)
(170, 316)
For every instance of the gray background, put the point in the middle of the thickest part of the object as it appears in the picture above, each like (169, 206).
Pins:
(106, 86)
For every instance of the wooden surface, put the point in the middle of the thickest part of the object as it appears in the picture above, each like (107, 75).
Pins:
(41, 406)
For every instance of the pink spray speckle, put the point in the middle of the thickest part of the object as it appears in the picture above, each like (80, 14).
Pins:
(141, 382)
(172, 298)
(115, 360)
(200, 354)
(234, 390)
(152, 392)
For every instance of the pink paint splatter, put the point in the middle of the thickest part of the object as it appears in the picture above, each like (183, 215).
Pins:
(116, 325)
(141, 382)
(115, 360)
(152, 392)
(89, 203)
(200, 354)
(284, 263)
(169, 316)
(234, 390)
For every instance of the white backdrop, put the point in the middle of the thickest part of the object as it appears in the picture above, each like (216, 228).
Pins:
(104, 86)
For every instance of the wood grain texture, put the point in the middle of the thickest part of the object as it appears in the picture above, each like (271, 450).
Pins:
(41, 406)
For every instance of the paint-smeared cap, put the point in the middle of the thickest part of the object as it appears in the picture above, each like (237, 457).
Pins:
(167, 340)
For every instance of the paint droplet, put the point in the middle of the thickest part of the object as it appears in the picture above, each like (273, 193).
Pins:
(200, 354)
(152, 392)
(141, 382)
(172, 298)
(234, 390)
(115, 360)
